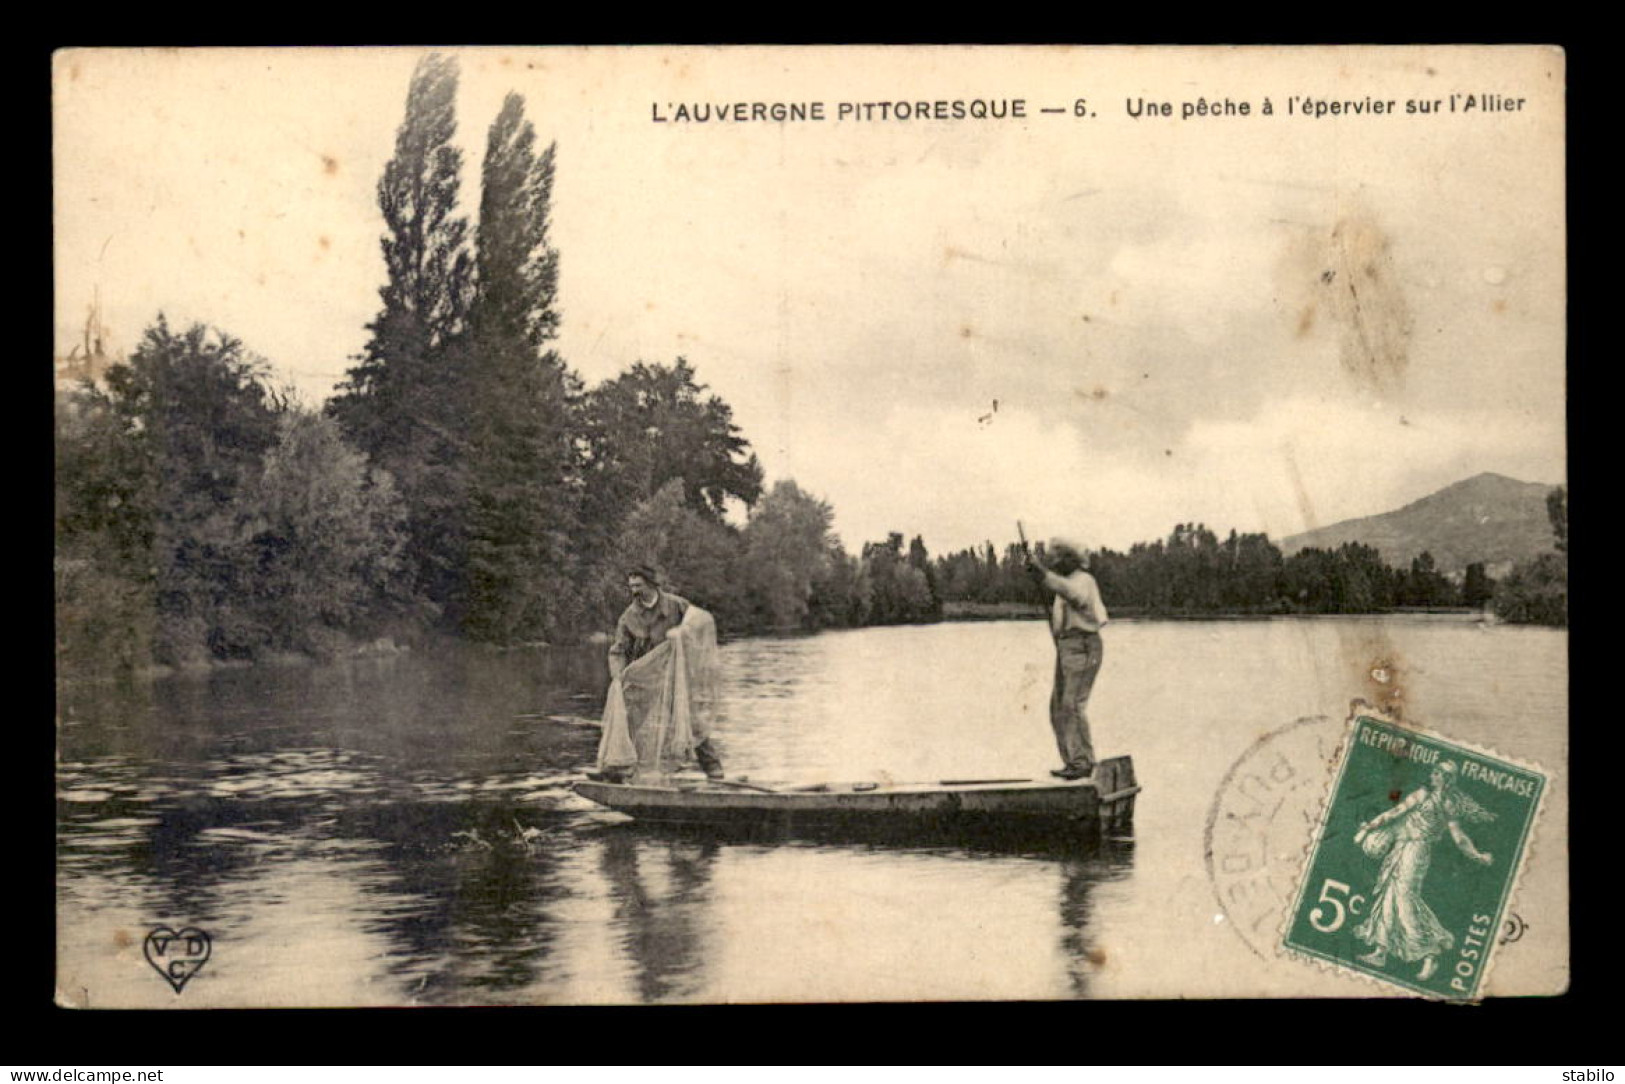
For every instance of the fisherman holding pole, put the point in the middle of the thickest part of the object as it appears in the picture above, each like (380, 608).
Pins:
(1077, 614)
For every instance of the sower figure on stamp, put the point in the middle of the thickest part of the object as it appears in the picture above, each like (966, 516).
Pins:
(1400, 921)
(649, 620)
(1077, 614)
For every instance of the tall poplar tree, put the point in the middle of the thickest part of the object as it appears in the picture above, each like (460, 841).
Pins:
(405, 403)
(522, 517)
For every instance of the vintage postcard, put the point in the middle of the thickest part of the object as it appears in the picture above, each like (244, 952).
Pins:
(646, 525)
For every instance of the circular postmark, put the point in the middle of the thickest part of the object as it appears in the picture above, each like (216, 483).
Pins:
(1261, 822)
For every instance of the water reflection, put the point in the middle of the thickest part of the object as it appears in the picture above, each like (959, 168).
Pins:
(401, 831)
(660, 891)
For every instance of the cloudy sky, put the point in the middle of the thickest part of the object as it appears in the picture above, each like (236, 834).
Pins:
(1267, 323)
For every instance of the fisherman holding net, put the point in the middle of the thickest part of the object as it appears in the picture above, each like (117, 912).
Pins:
(662, 692)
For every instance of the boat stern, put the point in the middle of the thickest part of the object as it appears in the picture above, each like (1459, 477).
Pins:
(1116, 786)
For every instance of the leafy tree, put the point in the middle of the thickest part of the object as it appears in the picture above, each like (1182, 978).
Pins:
(898, 590)
(106, 486)
(1307, 580)
(992, 585)
(323, 536)
(200, 517)
(1191, 564)
(1425, 585)
(697, 555)
(105, 496)
(920, 561)
(788, 547)
(1557, 510)
(1477, 588)
(1253, 573)
(959, 575)
(196, 418)
(842, 593)
(404, 403)
(1362, 582)
(653, 424)
(1535, 592)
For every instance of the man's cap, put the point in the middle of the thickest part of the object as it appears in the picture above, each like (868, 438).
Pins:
(1066, 545)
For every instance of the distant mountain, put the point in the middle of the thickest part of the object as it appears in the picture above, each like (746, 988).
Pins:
(1489, 518)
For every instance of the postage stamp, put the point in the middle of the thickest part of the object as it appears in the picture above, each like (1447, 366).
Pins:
(1405, 805)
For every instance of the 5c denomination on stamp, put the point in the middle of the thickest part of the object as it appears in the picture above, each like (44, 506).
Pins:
(1418, 849)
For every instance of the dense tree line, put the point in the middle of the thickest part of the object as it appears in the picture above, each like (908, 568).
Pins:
(200, 515)
(463, 480)
(1192, 572)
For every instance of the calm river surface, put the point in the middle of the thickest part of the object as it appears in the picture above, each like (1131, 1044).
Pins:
(400, 831)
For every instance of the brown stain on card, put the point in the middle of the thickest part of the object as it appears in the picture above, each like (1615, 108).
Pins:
(330, 165)
(1366, 300)
(1382, 673)
(1306, 507)
(1344, 278)
(1367, 660)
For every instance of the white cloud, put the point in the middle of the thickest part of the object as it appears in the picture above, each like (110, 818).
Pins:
(1304, 462)
(1297, 463)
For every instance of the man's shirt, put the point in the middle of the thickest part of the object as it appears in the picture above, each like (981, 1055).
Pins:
(1077, 606)
(642, 628)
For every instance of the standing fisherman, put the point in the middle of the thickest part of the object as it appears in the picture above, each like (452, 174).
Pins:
(652, 617)
(1077, 614)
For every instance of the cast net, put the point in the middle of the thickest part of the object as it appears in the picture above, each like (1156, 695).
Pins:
(662, 705)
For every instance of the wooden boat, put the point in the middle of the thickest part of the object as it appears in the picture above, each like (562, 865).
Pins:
(1035, 808)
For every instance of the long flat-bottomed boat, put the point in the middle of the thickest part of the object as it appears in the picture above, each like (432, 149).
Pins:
(1084, 808)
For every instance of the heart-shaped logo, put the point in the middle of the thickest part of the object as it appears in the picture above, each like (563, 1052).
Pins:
(177, 955)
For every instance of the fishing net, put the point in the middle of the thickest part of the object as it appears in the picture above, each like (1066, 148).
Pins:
(662, 705)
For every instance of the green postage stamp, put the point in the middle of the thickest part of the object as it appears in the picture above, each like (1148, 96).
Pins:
(1414, 860)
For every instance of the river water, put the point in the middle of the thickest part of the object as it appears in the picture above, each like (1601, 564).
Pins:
(400, 831)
